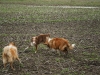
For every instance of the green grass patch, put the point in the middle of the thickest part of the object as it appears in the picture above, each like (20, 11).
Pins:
(29, 14)
(64, 70)
(91, 56)
(42, 46)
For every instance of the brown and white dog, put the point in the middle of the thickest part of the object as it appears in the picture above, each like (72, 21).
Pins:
(36, 40)
(59, 44)
(10, 54)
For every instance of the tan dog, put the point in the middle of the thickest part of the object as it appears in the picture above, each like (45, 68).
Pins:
(10, 54)
(60, 44)
(36, 40)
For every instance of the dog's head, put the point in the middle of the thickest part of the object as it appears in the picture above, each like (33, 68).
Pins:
(33, 40)
(12, 43)
(48, 35)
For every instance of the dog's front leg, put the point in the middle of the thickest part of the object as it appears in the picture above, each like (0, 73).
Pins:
(36, 48)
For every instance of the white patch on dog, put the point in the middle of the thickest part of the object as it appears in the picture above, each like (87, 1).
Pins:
(34, 39)
(32, 44)
(49, 39)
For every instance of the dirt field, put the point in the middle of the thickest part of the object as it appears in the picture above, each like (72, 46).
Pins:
(83, 60)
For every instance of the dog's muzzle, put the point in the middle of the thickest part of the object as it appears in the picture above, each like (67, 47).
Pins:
(33, 43)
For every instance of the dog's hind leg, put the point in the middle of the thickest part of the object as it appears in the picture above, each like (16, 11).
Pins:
(10, 60)
(19, 60)
(5, 61)
(65, 50)
(11, 64)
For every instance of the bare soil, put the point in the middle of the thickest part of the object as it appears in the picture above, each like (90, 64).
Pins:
(83, 60)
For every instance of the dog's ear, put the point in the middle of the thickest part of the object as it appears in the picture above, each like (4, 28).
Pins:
(48, 35)
(36, 37)
(13, 43)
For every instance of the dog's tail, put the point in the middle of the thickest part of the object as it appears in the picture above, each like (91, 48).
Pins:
(72, 46)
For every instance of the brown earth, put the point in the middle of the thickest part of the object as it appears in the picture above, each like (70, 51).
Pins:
(83, 60)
